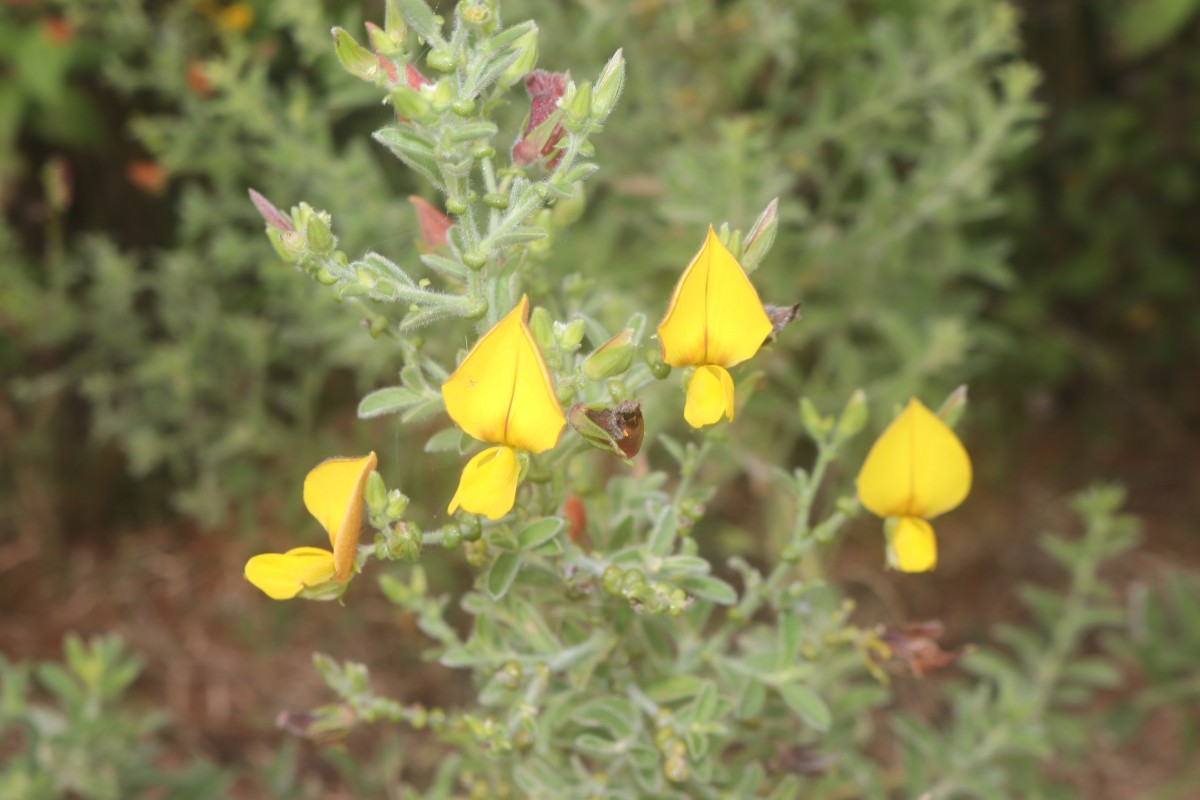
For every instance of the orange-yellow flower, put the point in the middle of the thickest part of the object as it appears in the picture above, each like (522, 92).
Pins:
(333, 493)
(916, 470)
(502, 394)
(714, 321)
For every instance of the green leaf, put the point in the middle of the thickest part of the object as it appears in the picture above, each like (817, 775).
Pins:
(447, 440)
(671, 688)
(502, 573)
(1146, 24)
(419, 17)
(387, 401)
(805, 702)
(538, 533)
(662, 538)
(616, 715)
(706, 587)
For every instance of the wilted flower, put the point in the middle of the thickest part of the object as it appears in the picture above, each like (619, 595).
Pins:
(618, 429)
(714, 321)
(914, 648)
(917, 470)
(333, 493)
(542, 130)
(502, 394)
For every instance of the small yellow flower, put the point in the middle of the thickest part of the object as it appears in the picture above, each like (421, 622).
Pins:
(916, 470)
(502, 394)
(235, 18)
(333, 493)
(714, 321)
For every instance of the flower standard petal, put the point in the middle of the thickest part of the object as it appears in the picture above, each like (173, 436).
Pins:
(333, 493)
(917, 468)
(502, 392)
(912, 547)
(709, 397)
(282, 576)
(715, 315)
(488, 485)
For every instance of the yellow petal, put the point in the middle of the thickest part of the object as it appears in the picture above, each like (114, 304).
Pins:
(715, 316)
(488, 485)
(709, 397)
(502, 392)
(284, 575)
(913, 547)
(917, 468)
(333, 493)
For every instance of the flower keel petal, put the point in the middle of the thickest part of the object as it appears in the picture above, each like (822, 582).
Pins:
(488, 485)
(913, 546)
(282, 576)
(709, 397)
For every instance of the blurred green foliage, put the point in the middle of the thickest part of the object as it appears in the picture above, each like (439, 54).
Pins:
(87, 742)
(1105, 204)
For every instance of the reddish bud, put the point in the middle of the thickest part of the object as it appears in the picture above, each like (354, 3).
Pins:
(58, 30)
(432, 223)
(272, 215)
(197, 80)
(148, 176)
(576, 514)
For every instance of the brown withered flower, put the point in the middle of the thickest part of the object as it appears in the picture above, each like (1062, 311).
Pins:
(618, 429)
(914, 648)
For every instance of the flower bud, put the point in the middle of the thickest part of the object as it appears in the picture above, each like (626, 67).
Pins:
(816, 425)
(409, 103)
(270, 214)
(542, 328)
(854, 416)
(608, 87)
(952, 409)
(406, 542)
(384, 43)
(570, 334)
(355, 59)
(397, 504)
(375, 493)
(611, 358)
(527, 46)
(658, 368)
(318, 236)
(579, 109)
(617, 429)
(760, 238)
(441, 61)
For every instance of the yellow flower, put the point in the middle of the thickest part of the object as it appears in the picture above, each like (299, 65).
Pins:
(502, 394)
(333, 493)
(714, 321)
(917, 470)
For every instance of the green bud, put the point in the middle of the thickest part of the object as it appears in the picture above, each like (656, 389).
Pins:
(510, 675)
(472, 528)
(375, 493)
(478, 13)
(409, 103)
(393, 22)
(761, 237)
(658, 368)
(611, 579)
(482, 150)
(952, 409)
(384, 43)
(378, 326)
(452, 537)
(474, 260)
(816, 425)
(442, 96)
(318, 235)
(407, 542)
(568, 210)
(631, 579)
(355, 59)
(497, 200)
(325, 277)
(611, 358)
(542, 328)
(463, 107)
(527, 45)
(854, 416)
(456, 206)
(441, 60)
(579, 108)
(397, 504)
(571, 334)
(608, 87)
